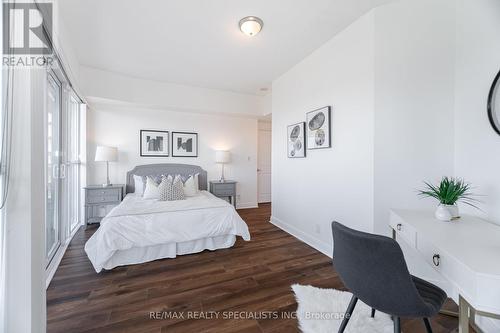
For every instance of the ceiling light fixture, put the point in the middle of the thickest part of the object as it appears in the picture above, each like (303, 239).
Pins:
(251, 25)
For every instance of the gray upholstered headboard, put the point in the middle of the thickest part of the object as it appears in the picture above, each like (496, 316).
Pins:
(166, 169)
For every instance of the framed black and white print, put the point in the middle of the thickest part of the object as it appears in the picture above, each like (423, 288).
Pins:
(184, 144)
(154, 143)
(318, 128)
(296, 137)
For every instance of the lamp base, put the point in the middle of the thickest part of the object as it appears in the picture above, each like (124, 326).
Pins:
(222, 179)
(106, 185)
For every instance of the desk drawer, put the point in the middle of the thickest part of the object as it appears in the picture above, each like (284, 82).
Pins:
(404, 230)
(431, 254)
(448, 266)
(103, 198)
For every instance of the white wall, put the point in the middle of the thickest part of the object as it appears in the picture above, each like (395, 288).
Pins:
(390, 79)
(121, 106)
(64, 47)
(414, 99)
(330, 184)
(120, 127)
(434, 62)
(477, 146)
(99, 85)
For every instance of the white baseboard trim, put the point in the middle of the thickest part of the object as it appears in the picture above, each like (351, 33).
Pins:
(54, 264)
(246, 205)
(312, 241)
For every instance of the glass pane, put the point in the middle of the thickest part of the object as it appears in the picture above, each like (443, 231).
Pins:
(73, 175)
(52, 157)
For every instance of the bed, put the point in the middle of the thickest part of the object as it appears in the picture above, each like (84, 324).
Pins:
(140, 230)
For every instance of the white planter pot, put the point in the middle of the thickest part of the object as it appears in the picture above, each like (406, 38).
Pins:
(447, 212)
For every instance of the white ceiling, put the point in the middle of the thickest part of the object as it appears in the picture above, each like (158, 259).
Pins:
(197, 42)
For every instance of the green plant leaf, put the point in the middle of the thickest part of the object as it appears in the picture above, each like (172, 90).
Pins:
(450, 191)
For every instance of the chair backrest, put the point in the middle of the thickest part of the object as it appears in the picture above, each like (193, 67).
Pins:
(374, 269)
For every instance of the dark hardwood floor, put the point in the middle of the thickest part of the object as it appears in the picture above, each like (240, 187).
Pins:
(252, 276)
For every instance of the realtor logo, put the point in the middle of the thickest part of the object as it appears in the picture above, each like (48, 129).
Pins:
(27, 28)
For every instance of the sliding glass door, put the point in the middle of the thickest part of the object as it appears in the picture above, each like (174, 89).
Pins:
(72, 163)
(53, 166)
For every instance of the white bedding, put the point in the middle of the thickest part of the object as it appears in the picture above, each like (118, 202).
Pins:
(140, 223)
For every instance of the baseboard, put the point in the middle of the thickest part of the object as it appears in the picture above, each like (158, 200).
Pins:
(312, 241)
(246, 205)
(54, 264)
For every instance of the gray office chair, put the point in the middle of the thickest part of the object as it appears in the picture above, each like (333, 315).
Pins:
(375, 271)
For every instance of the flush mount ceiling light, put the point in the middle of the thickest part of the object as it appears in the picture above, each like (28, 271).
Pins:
(251, 25)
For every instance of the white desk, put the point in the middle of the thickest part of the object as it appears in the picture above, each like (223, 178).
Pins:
(464, 252)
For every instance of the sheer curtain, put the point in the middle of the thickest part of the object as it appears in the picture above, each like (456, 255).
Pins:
(6, 79)
(6, 114)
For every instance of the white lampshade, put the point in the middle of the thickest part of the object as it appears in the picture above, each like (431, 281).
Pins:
(222, 156)
(106, 154)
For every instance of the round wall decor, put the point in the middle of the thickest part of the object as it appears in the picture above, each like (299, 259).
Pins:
(494, 104)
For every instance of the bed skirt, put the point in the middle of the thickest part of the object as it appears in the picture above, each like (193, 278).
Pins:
(140, 255)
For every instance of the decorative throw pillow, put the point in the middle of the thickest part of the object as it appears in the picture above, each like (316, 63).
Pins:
(171, 190)
(151, 190)
(163, 187)
(191, 186)
(178, 189)
(138, 185)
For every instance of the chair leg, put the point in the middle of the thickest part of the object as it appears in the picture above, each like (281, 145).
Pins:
(373, 313)
(348, 313)
(428, 326)
(397, 325)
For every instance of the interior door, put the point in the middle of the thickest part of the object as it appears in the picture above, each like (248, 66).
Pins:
(264, 166)
(52, 167)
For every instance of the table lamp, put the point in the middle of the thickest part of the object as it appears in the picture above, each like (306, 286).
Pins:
(106, 154)
(222, 157)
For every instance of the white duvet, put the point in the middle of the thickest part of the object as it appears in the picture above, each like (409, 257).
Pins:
(138, 222)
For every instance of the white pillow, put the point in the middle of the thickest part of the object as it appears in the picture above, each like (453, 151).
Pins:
(197, 184)
(138, 185)
(191, 186)
(151, 191)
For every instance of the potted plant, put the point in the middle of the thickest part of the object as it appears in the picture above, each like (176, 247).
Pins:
(448, 193)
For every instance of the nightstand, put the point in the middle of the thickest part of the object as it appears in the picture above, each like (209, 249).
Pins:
(100, 200)
(226, 189)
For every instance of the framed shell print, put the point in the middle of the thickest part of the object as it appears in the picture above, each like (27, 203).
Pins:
(319, 128)
(296, 140)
